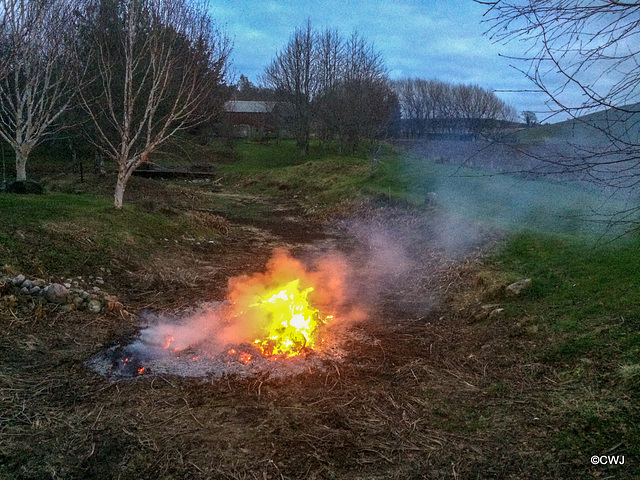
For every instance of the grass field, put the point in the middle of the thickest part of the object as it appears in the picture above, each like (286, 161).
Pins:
(453, 392)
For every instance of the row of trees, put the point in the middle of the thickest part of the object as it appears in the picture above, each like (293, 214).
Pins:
(434, 107)
(127, 74)
(338, 85)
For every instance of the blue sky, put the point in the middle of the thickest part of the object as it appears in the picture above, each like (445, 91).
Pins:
(418, 38)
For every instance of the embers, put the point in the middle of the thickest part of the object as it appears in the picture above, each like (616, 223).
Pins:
(139, 359)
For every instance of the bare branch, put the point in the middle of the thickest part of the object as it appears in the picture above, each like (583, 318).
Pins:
(587, 49)
(37, 87)
(625, 4)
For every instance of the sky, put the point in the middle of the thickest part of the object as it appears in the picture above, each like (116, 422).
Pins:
(431, 39)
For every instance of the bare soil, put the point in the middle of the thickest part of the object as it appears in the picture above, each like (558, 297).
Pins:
(432, 387)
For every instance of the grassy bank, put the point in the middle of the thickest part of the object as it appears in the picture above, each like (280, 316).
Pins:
(581, 311)
(58, 231)
(582, 316)
(325, 179)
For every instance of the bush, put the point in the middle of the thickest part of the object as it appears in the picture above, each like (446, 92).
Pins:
(25, 186)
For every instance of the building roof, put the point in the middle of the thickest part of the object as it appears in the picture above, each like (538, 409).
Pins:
(249, 106)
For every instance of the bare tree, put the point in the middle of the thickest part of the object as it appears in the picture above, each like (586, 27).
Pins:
(590, 47)
(36, 85)
(480, 111)
(338, 86)
(529, 117)
(292, 74)
(587, 50)
(155, 64)
(366, 100)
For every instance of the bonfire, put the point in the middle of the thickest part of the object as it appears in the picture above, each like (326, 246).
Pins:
(267, 318)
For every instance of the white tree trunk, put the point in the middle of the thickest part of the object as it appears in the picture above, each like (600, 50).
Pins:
(36, 80)
(121, 184)
(117, 198)
(21, 167)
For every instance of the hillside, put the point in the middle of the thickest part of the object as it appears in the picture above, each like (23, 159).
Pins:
(622, 124)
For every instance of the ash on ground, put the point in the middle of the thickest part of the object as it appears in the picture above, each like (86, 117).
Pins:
(136, 356)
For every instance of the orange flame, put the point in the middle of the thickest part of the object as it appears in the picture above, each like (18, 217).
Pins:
(282, 307)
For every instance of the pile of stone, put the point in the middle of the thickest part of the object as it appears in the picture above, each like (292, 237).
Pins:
(72, 294)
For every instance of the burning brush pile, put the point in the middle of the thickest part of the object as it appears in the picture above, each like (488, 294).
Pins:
(283, 321)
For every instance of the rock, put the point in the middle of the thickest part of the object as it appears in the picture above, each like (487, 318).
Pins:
(18, 280)
(25, 291)
(94, 306)
(56, 293)
(67, 285)
(84, 294)
(517, 287)
(35, 290)
(27, 284)
(431, 199)
(78, 301)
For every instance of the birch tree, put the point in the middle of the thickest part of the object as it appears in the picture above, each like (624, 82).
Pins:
(155, 65)
(36, 83)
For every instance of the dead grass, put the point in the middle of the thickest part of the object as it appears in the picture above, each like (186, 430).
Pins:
(210, 220)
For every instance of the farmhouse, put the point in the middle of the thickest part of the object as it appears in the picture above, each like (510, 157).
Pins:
(251, 118)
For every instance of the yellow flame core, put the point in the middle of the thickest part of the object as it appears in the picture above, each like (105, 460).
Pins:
(291, 321)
